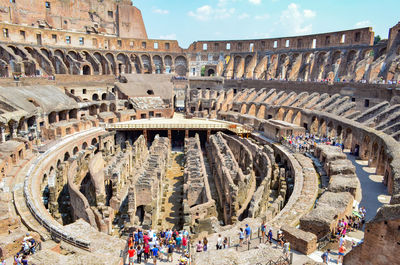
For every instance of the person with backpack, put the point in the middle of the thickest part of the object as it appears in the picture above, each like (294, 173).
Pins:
(131, 254)
(325, 256)
(170, 251)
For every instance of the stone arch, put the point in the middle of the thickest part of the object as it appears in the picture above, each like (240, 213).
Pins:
(365, 148)
(330, 130)
(168, 64)
(279, 115)
(94, 141)
(146, 64)
(75, 150)
(52, 117)
(95, 97)
(297, 118)
(73, 114)
(348, 138)
(282, 66)
(158, 64)
(322, 131)
(180, 65)
(339, 131)
(94, 63)
(252, 110)
(124, 65)
(113, 107)
(374, 155)
(84, 145)
(136, 63)
(58, 60)
(113, 66)
(314, 125)
(289, 116)
(103, 107)
(261, 112)
(243, 109)
(66, 156)
(93, 110)
(105, 65)
(86, 70)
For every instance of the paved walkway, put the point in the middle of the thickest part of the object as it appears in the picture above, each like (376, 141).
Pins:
(374, 193)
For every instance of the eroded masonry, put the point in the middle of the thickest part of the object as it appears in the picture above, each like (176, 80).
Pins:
(104, 131)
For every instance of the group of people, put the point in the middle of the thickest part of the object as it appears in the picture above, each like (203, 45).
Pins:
(306, 143)
(29, 246)
(158, 246)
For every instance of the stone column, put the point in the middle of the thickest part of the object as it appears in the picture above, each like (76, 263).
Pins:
(14, 130)
(186, 134)
(170, 135)
(208, 135)
(3, 136)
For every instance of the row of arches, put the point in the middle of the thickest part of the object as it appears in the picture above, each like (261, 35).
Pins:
(35, 61)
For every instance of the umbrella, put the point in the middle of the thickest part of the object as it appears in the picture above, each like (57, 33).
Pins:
(357, 214)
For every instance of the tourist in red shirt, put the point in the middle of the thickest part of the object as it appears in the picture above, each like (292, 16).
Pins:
(146, 252)
(131, 253)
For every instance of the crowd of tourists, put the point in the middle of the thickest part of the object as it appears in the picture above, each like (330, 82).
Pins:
(154, 246)
(28, 246)
(307, 142)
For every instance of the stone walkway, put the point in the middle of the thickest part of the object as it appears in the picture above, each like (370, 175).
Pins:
(173, 193)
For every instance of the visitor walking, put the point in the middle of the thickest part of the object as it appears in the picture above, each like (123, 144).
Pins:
(342, 250)
(270, 236)
(241, 237)
(248, 233)
(263, 228)
(199, 247)
(155, 254)
(325, 256)
(170, 251)
(219, 242)
(205, 243)
(286, 248)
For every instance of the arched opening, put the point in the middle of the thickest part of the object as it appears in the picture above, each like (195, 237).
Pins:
(314, 125)
(76, 150)
(66, 156)
(52, 117)
(84, 146)
(210, 72)
(95, 97)
(104, 96)
(94, 141)
(103, 107)
(150, 92)
(86, 70)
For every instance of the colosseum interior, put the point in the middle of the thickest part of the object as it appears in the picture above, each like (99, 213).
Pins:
(105, 131)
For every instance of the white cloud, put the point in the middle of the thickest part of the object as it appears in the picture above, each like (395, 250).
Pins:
(364, 23)
(255, 2)
(295, 20)
(171, 36)
(243, 16)
(262, 17)
(160, 11)
(309, 13)
(207, 12)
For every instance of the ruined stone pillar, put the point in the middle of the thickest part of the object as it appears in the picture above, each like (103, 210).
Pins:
(3, 136)
(145, 134)
(14, 130)
(170, 135)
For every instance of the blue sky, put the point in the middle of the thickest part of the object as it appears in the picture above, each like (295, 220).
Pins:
(191, 20)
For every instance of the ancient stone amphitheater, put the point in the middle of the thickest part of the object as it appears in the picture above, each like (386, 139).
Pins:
(104, 130)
